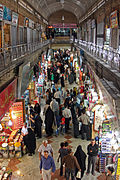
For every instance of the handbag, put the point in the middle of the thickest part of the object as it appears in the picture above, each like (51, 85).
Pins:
(78, 174)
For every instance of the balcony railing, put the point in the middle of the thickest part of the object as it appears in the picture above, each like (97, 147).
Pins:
(106, 54)
(9, 55)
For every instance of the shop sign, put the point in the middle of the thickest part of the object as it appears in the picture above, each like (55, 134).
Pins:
(17, 115)
(26, 22)
(1, 12)
(7, 14)
(31, 24)
(7, 97)
(114, 19)
(93, 24)
(14, 18)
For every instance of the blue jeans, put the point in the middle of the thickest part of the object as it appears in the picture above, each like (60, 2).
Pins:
(70, 172)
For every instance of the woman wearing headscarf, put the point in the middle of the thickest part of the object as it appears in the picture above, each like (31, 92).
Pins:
(81, 158)
(31, 142)
(37, 108)
(49, 119)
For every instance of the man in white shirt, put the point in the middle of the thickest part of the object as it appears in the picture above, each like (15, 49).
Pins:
(45, 147)
(67, 114)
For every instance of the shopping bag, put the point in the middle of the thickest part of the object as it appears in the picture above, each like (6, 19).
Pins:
(78, 174)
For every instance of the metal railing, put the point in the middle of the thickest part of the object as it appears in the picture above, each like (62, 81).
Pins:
(11, 54)
(106, 54)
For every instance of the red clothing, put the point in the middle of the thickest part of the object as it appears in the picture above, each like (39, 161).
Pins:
(62, 121)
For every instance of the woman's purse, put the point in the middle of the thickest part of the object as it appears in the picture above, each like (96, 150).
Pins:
(78, 174)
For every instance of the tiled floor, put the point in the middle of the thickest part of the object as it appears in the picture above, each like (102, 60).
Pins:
(27, 167)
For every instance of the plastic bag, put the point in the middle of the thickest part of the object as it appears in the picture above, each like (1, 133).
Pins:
(78, 174)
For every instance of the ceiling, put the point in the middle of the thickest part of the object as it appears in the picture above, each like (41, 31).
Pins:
(48, 7)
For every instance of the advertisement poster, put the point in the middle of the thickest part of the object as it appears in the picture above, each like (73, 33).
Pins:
(7, 14)
(15, 18)
(1, 12)
(17, 115)
(114, 19)
(7, 98)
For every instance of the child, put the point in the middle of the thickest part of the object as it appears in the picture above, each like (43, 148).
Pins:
(62, 125)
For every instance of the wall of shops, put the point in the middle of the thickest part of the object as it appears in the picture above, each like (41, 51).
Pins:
(98, 27)
(13, 73)
(18, 25)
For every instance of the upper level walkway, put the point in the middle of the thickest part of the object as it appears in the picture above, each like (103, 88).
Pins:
(106, 54)
(11, 55)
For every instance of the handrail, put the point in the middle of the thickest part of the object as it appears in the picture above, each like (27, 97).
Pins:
(106, 54)
(10, 54)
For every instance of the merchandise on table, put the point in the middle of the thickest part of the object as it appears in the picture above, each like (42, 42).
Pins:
(11, 140)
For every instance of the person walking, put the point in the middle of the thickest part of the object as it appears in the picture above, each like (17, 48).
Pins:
(92, 156)
(62, 152)
(31, 142)
(38, 125)
(85, 125)
(81, 158)
(45, 146)
(68, 116)
(47, 166)
(71, 163)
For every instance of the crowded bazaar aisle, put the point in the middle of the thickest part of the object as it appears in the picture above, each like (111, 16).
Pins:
(27, 167)
(65, 109)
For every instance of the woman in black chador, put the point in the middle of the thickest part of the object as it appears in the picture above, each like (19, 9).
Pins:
(31, 142)
(81, 158)
(49, 119)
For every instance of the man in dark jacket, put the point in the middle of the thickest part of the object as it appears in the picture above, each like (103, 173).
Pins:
(71, 163)
(92, 156)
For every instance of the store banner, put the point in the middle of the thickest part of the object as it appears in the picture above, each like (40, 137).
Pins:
(7, 97)
(7, 14)
(14, 18)
(114, 19)
(16, 112)
(1, 12)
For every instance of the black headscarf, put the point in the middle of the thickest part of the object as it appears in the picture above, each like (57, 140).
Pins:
(31, 141)
(81, 157)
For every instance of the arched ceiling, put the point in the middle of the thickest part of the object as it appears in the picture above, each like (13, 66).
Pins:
(48, 7)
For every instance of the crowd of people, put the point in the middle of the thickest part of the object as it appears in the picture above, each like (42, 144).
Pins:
(64, 108)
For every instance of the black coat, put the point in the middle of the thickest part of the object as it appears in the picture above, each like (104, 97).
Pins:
(31, 141)
(81, 158)
(49, 119)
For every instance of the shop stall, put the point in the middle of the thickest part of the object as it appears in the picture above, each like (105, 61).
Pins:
(11, 139)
